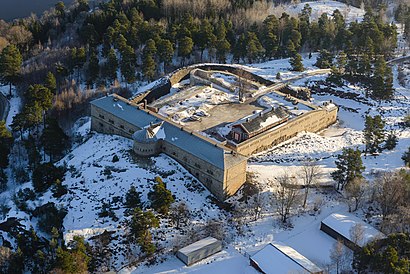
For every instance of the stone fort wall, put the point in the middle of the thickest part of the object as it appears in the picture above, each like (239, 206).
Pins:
(312, 121)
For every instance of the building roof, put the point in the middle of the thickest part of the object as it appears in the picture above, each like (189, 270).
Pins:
(198, 245)
(189, 142)
(344, 223)
(277, 258)
(263, 119)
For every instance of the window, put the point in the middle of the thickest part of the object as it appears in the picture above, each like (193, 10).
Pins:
(111, 121)
(210, 172)
(197, 165)
(121, 126)
(130, 131)
(101, 116)
(101, 125)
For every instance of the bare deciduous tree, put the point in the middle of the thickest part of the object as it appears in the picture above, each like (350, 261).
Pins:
(339, 256)
(310, 174)
(179, 214)
(390, 192)
(287, 196)
(355, 192)
(357, 234)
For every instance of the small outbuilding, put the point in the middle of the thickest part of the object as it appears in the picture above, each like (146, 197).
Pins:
(199, 250)
(278, 258)
(352, 231)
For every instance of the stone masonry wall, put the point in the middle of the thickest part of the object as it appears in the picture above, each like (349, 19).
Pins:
(312, 121)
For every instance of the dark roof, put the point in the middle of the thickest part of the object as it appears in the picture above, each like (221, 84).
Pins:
(264, 119)
(173, 134)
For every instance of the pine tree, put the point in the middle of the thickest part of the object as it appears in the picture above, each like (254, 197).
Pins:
(93, 68)
(185, 47)
(165, 52)
(139, 226)
(296, 62)
(325, 59)
(45, 175)
(374, 134)
(132, 198)
(50, 82)
(54, 139)
(10, 65)
(3, 181)
(111, 66)
(254, 49)
(406, 157)
(349, 167)
(391, 141)
(161, 198)
(40, 94)
(128, 63)
(148, 67)
(6, 141)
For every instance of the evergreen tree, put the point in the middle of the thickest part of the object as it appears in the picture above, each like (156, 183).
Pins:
(10, 65)
(93, 68)
(254, 49)
(54, 140)
(139, 226)
(391, 141)
(74, 260)
(40, 94)
(3, 181)
(132, 198)
(185, 47)
(374, 134)
(406, 157)
(222, 48)
(45, 175)
(148, 67)
(32, 115)
(165, 52)
(325, 59)
(6, 141)
(34, 156)
(50, 82)
(111, 66)
(128, 63)
(349, 167)
(161, 198)
(296, 62)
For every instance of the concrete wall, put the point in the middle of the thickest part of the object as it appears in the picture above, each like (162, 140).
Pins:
(211, 176)
(312, 121)
(147, 149)
(105, 122)
(234, 178)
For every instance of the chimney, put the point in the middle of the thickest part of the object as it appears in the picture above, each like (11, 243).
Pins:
(145, 103)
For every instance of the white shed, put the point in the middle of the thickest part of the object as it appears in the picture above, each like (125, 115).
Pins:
(278, 258)
(199, 250)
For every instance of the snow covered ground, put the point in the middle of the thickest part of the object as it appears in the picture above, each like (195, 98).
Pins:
(327, 6)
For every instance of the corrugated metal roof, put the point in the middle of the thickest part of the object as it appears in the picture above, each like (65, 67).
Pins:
(186, 141)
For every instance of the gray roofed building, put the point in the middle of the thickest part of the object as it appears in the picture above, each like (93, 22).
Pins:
(258, 123)
(218, 168)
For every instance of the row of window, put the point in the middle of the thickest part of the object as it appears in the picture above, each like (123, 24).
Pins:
(112, 122)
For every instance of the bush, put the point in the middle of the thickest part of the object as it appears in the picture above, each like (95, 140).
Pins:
(115, 158)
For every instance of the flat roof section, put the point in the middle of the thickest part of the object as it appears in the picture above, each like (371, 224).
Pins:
(343, 224)
(277, 258)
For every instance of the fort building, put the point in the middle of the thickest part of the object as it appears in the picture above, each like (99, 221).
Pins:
(205, 127)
